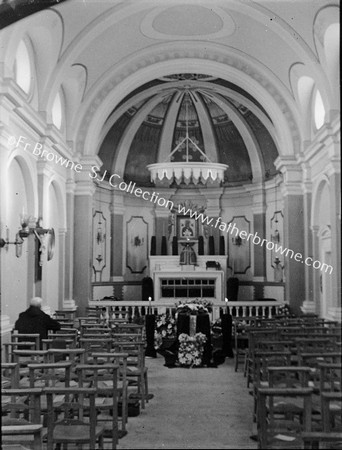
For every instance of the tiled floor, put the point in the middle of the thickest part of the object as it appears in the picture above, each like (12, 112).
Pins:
(193, 408)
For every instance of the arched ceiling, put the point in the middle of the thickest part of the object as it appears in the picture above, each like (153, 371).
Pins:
(226, 124)
(140, 59)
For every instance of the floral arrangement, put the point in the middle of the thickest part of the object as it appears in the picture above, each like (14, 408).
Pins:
(194, 306)
(284, 310)
(191, 349)
(165, 326)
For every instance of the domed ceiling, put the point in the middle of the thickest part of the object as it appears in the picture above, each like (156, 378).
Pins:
(225, 124)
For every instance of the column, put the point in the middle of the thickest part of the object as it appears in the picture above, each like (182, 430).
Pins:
(294, 231)
(83, 222)
(309, 305)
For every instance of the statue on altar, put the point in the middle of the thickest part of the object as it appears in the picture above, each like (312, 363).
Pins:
(188, 255)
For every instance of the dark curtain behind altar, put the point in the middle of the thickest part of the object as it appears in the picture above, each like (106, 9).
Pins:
(147, 289)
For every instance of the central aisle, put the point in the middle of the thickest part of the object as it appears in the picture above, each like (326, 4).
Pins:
(193, 408)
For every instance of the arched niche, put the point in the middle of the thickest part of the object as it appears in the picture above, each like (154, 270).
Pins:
(312, 97)
(53, 269)
(302, 88)
(326, 34)
(19, 197)
(44, 39)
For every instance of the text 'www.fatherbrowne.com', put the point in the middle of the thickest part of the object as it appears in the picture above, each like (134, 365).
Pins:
(116, 182)
(254, 238)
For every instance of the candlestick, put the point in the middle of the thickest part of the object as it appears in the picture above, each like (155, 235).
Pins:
(226, 300)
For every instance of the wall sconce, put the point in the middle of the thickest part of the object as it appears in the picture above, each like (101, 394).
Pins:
(29, 225)
(237, 241)
(18, 243)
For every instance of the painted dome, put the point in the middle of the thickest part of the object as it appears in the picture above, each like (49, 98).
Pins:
(225, 122)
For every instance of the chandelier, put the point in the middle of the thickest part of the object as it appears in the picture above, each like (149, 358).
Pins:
(187, 171)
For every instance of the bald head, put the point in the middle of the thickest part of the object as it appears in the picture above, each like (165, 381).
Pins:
(36, 301)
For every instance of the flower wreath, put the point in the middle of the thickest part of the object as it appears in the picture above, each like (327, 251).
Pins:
(165, 326)
(191, 349)
(194, 306)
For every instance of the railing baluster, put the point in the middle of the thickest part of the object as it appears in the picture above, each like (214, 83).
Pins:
(237, 309)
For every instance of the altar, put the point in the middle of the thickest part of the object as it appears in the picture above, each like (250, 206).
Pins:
(175, 281)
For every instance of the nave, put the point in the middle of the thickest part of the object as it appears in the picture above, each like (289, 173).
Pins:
(154, 153)
(193, 408)
(286, 391)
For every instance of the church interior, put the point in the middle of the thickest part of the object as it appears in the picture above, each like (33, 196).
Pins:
(154, 152)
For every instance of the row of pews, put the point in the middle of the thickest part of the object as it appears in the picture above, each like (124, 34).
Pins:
(78, 387)
(293, 371)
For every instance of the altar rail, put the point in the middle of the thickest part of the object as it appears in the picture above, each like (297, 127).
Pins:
(265, 309)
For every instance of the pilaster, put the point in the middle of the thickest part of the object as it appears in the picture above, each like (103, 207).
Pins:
(61, 266)
(84, 193)
(294, 230)
(68, 301)
(316, 273)
(162, 220)
(44, 175)
(259, 227)
(117, 224)
(309, 303)
(213, 209)
(335, 221)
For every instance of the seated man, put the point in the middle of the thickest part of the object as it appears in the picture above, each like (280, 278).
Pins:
(35, 321)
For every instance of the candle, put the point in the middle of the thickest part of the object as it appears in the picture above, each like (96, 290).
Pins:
(226, 300)
(149, 305)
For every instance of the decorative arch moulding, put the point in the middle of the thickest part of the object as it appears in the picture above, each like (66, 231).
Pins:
(167, 54)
